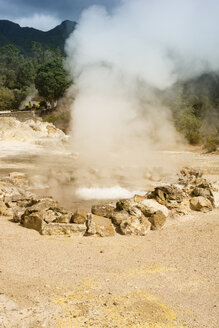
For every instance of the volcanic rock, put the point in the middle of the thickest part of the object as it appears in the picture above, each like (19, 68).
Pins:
(33, 221)
(168, 195)
(63, 229)
(120, 216)
(4, 210)
(30, 131)
(79, 217)
(99, 226)
(138, 198)
(126, 204)
(105, 210)
(200, 204)
(18, 178)
(43, 204)
(157, 220)
(151, 206)
(206, 193)
(63, 216)
(135, 226)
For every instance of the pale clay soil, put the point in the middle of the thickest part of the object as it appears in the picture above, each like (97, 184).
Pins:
(167, 279)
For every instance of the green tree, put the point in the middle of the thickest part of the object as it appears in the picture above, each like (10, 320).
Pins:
(41, 54)
(52, 80)
(17, 74)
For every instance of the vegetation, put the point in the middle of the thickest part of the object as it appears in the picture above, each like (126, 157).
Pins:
(51, 80)
(211, 144)
(59, 119)
(195, 108)
(189, 125)
(22, 37)
(18, 74)
(194, 103)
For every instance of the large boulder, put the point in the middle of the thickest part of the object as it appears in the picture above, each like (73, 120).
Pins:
(99, 226)
(200, 204)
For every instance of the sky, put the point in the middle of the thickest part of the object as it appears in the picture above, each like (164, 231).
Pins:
(46, 14)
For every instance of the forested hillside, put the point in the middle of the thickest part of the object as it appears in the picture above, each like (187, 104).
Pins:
(22, 37)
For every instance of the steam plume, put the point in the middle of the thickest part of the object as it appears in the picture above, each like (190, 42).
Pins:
(120, 61)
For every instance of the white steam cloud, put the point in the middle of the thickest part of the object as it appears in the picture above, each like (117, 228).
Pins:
(119, 61)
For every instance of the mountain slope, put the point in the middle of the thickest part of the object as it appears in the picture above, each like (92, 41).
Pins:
(21, 37)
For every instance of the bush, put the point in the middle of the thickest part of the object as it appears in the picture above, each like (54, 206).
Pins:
(189, 125)
(6, 98)
(60, 120)
(210, 145)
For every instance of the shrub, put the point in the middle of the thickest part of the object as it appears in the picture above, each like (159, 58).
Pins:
(189, 125)
(60, 120)
(210, 144)
(6, 98)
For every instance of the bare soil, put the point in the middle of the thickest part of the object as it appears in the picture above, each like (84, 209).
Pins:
(167, 279)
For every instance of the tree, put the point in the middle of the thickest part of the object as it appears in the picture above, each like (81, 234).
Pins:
(16, 76)
(52, 80)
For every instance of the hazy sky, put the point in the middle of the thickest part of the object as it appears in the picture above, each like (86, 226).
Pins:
(46, 14)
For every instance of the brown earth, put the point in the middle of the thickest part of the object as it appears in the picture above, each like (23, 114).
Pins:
(167, 279)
